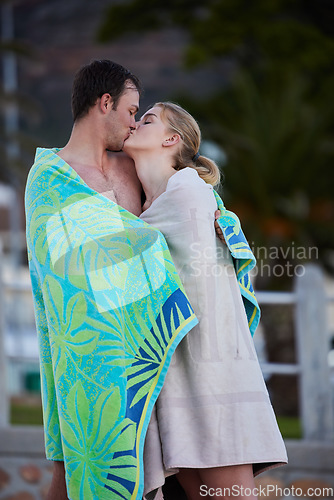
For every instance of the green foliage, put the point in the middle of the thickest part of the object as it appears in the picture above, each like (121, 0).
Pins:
(139, 16)
(280, 32)
(274, 114)
(278, 142)
(24, 413)
(290, 427)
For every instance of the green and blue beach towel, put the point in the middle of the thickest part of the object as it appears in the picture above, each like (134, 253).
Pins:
(243, 259)
(110, 311)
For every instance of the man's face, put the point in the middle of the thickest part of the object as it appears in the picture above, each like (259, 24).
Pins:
(122, 119)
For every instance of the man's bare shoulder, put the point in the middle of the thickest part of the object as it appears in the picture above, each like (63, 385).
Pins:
(122, 162)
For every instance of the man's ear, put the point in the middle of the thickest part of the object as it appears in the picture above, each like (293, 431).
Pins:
(172, 140)
(105, 103)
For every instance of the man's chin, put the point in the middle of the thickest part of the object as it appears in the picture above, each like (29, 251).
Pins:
(117, 148)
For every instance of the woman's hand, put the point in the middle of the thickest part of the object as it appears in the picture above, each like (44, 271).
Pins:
(219, 231)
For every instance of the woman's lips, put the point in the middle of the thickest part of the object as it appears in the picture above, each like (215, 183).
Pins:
(129, 134)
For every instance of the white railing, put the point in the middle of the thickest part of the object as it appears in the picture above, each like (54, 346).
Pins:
(312, 341)
(312, 345)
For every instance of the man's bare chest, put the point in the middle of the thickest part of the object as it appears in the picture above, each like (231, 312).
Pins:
(117, 188)
(102, 184)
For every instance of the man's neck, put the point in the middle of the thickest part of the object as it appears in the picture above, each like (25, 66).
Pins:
(84, 148)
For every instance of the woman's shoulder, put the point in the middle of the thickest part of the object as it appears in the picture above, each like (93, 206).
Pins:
(187, 178)
(186, 189)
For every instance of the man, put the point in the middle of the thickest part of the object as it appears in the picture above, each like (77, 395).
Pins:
(105, 100)
(110, 308)
(102, 122)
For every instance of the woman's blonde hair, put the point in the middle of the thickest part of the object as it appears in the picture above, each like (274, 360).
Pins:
(179, 121)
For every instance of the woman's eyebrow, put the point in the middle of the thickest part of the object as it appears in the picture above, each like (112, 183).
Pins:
(148, 114)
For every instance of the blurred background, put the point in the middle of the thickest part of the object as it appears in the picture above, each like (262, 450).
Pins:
(259, 78)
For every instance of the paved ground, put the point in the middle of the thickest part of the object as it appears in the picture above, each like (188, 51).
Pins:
(26, 475)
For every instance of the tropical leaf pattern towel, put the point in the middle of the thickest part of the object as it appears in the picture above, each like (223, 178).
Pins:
(110, 310)
(244, 261)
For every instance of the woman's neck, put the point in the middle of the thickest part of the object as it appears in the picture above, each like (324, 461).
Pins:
(154, 174)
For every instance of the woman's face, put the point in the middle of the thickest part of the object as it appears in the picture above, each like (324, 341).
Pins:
(150, 133)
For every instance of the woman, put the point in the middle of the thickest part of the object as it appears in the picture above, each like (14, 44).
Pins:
(213, 423)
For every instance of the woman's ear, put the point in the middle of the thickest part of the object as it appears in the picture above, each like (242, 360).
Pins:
(172, 140)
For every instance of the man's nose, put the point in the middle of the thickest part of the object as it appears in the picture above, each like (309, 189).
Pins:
(133, 124)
